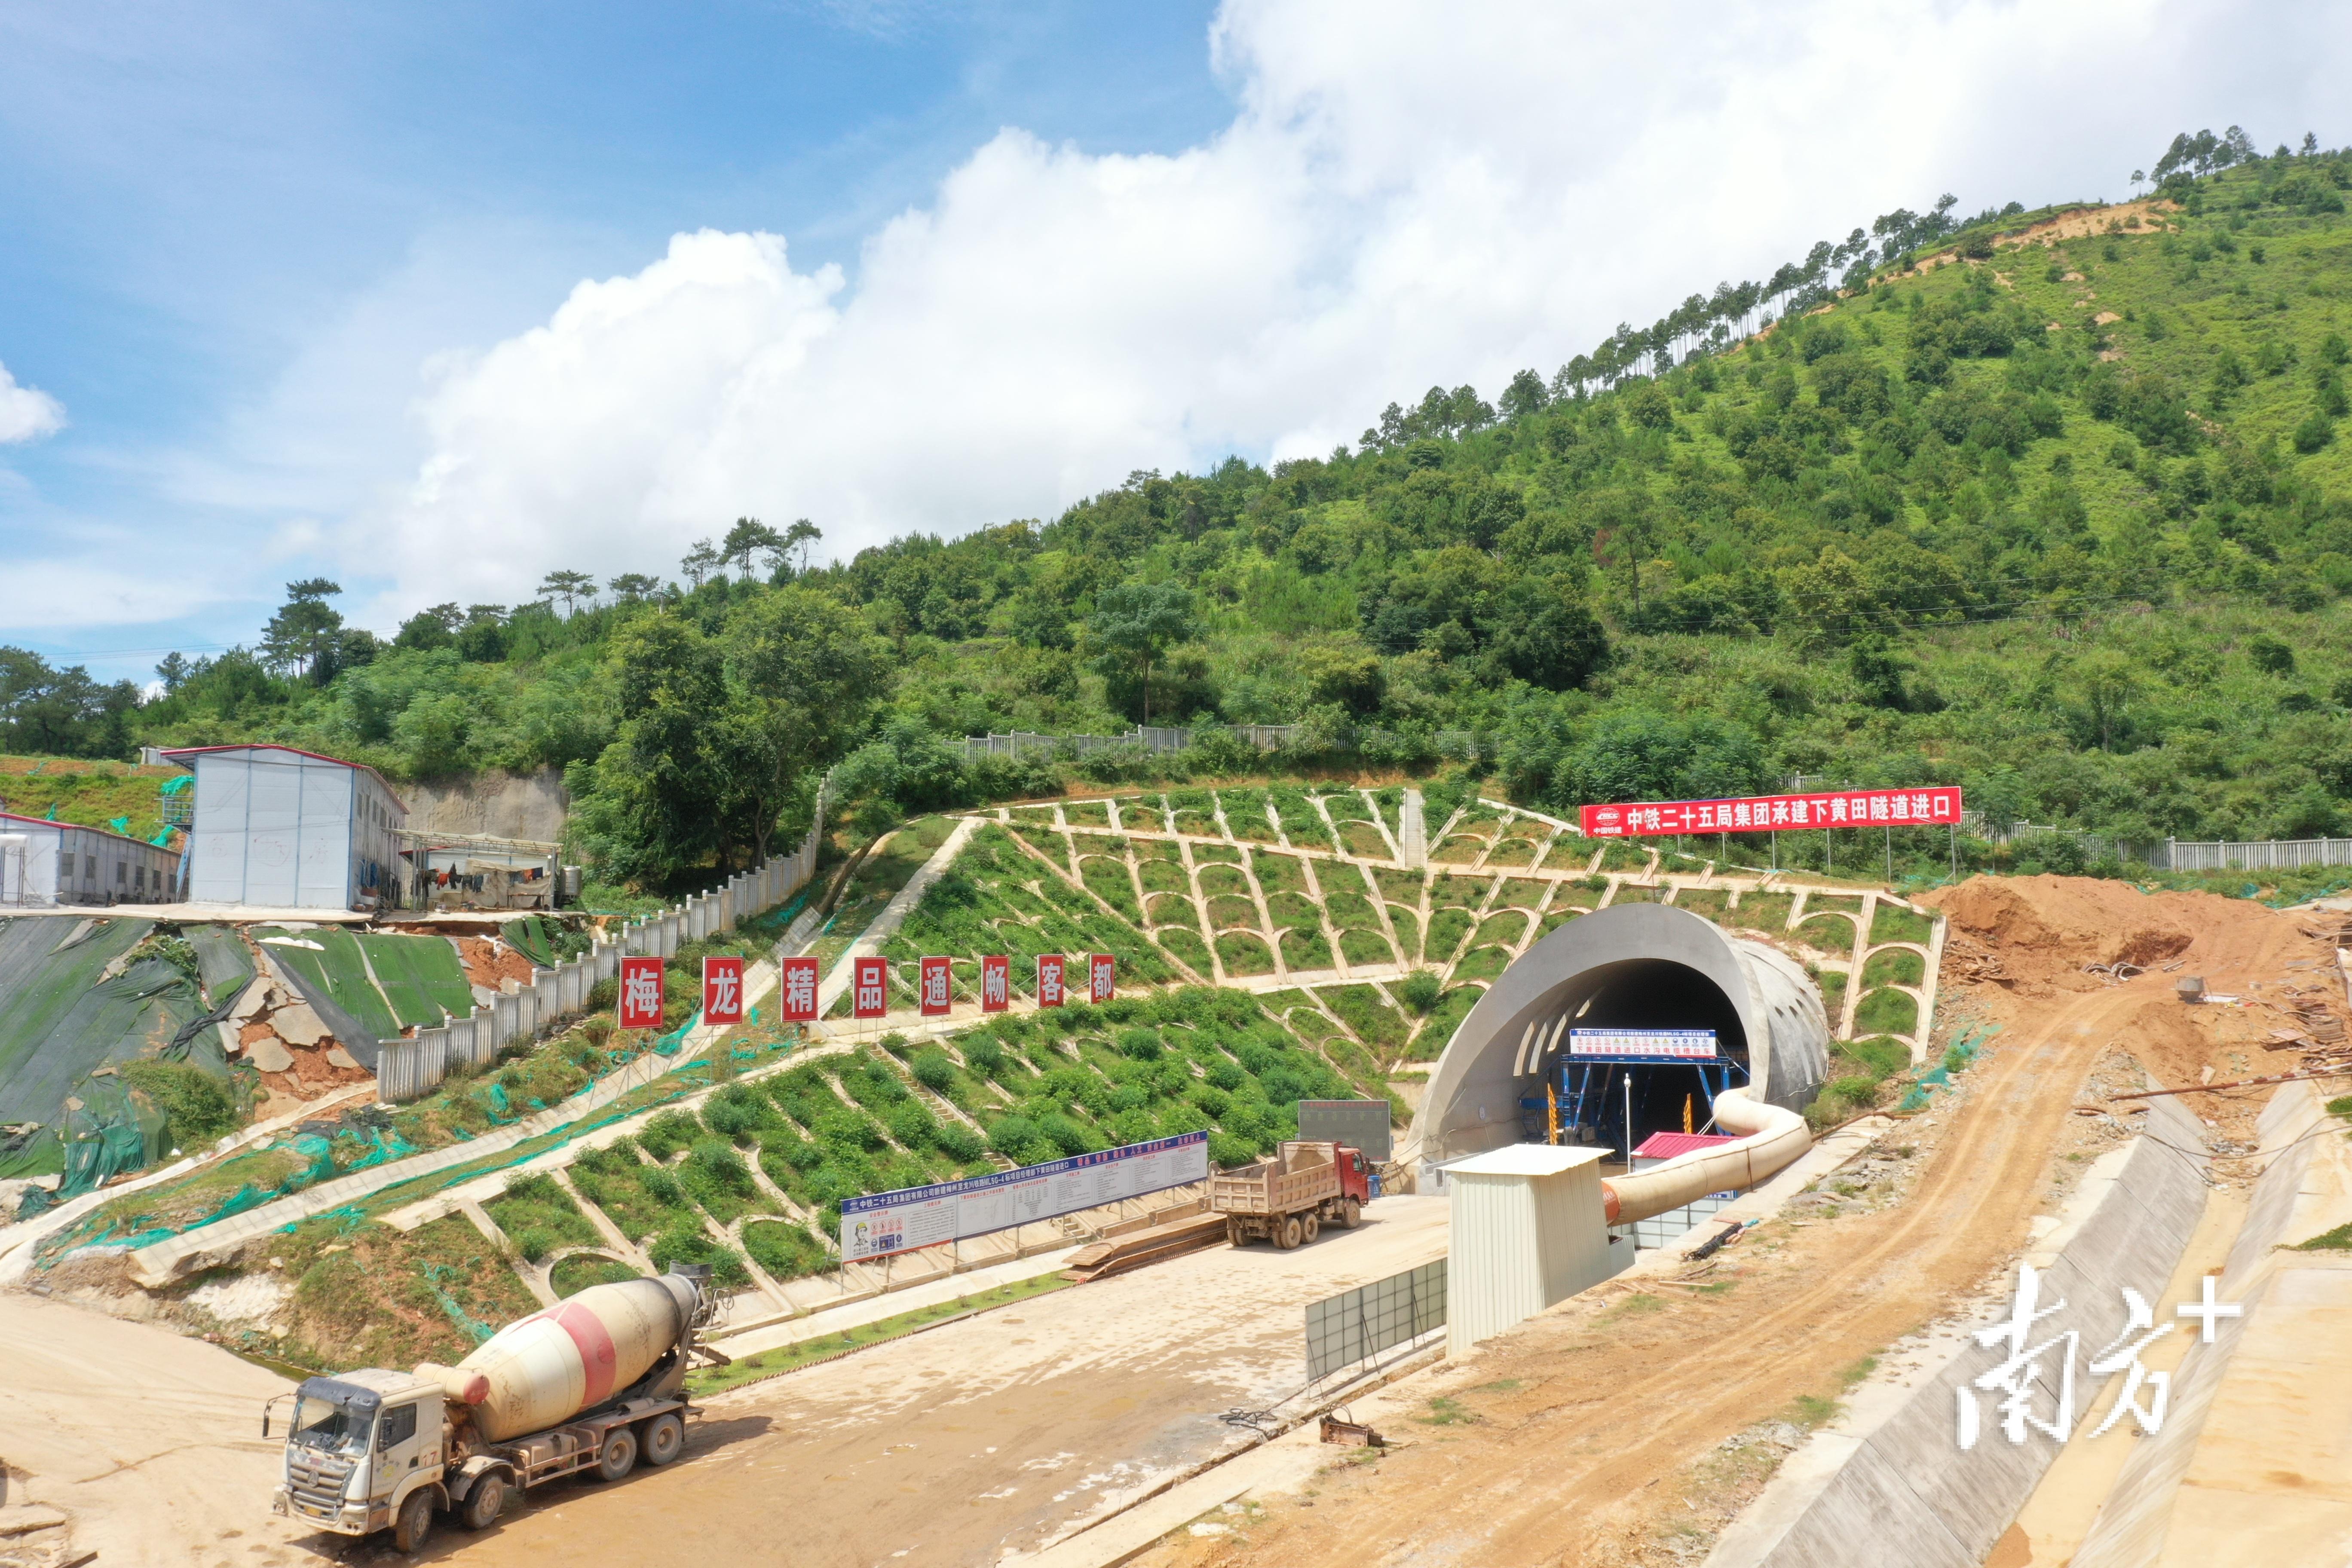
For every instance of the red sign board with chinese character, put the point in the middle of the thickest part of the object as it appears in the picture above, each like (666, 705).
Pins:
(799, 990)
(641, 993)
(722, 990)
(1049, 980)
(935, 987)
(869, 989)
(1931, 807)
(1099, 977)
(995, 984)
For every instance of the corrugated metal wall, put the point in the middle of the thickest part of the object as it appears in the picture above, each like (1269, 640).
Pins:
(1518, 1244)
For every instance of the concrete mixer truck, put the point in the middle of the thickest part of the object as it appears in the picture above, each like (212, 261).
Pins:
(591, 1386)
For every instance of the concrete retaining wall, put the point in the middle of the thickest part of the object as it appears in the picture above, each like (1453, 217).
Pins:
(1907, 1495)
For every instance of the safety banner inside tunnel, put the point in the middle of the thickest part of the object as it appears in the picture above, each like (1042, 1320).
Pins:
(880, 1224)
(1932, 807)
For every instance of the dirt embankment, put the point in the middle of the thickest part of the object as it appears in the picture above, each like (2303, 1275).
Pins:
(1625, 1428)
(490, 962)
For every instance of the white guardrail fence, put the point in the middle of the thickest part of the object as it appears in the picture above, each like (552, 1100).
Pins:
(412, 1068)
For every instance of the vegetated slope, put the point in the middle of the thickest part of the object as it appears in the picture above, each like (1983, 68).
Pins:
(2053, 505)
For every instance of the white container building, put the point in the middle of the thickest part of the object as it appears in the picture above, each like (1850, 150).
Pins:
(277, 827)
(1526, 1230)
(44, 864)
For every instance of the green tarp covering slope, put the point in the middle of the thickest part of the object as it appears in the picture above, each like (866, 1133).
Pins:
(530, 937)
(419, 975)
(224, 960)
(44, 973)
(334, 967)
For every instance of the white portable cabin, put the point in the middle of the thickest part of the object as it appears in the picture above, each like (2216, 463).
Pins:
(44, 864)
(1526, 1230)
(278, 828)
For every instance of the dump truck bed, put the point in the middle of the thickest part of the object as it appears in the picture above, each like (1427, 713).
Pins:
(1299, 1177)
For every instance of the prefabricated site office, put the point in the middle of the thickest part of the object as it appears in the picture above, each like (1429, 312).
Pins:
(282, 828)
(45, 863)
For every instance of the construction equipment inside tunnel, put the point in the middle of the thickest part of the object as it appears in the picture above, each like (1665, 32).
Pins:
(1634, 1021)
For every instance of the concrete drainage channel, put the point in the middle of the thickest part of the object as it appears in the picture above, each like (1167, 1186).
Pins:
(1895, 1471)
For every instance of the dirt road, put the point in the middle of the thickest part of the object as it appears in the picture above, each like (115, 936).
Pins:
(150, 1441)
(954, 1445)
(1570, 1440)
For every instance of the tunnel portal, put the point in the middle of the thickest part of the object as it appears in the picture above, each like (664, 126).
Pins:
(1508, 1075)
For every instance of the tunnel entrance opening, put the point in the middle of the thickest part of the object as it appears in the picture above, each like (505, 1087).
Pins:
(1617, 1104)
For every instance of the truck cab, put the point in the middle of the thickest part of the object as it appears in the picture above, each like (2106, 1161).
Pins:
(360, 1445)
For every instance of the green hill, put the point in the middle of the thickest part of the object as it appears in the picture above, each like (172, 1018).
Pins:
(2053, 504)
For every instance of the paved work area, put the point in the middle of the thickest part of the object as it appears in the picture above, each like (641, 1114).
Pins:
(151, 1442)
(985, 1437)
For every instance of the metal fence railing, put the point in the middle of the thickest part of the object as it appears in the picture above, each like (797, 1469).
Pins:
(1357, 1325)
(2258, 854)
(1151, 738)
(1156, 739)
(2175, 854)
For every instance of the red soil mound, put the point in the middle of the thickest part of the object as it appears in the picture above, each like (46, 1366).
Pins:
(2041, 927)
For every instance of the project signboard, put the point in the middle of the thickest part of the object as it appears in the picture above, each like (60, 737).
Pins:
(641, 993)
(869, 988)
(799, 987)
(1642, 1045)
(880, 1224)
(1767, 813)
(722, 990)
(936, 980)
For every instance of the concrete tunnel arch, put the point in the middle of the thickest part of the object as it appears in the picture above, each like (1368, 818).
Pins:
(1635, 965)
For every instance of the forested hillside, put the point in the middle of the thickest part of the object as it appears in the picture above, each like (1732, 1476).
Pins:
(2050, 504)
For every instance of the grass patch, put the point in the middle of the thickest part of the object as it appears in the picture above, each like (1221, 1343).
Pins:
(1447, 1411)
(1892, 924)
(1886, 1013)
(785, 1250)
(1443, 1020)
(1245, 954)
(1762, 911)
(1708, 903)
(1894, 966)
(579, 1271)
(540, 1217)
(1365, 1011)
(1830, 933)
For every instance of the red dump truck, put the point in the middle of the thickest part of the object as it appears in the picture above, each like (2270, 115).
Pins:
(1288, 1198)
(592, 1386)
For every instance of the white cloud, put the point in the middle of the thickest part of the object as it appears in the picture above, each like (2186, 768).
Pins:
(1406, 194)
(26, 414)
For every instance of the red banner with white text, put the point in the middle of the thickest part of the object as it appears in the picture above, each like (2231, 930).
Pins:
(1932, 807)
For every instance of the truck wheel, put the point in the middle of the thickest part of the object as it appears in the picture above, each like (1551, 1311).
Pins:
(1310, 1227)
(665, 1439)
(1286, 1232)
(414, 1524)
(1352, 1214)
(619, 1456)
(1232, 1232)
(484, 1502)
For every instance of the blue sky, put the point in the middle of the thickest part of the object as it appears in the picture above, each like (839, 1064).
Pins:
(435, 299)
(197, 197)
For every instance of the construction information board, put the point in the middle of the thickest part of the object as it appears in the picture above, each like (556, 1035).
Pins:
(880, 1224)
(1642, 1045)
(1771, 813)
